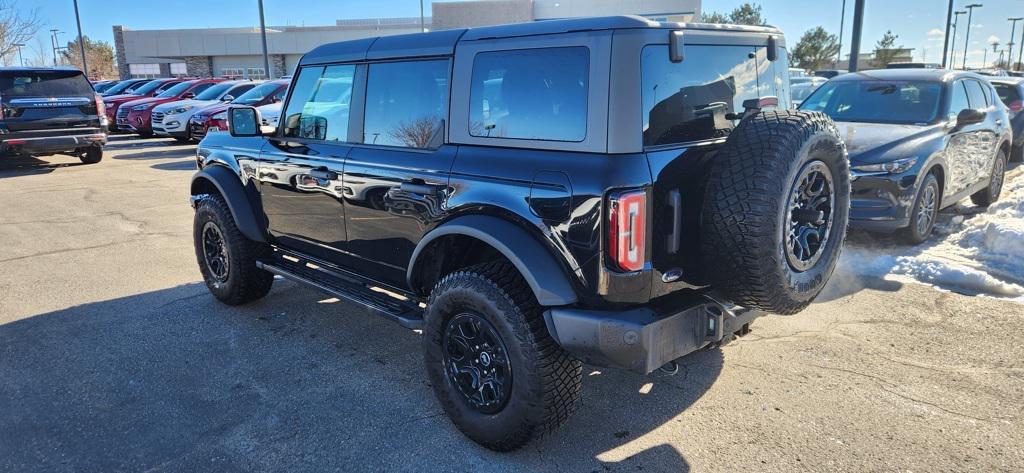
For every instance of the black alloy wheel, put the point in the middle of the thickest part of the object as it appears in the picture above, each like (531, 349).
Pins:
(927, 207)
(215, 252)
(811, 205)
(476, 362)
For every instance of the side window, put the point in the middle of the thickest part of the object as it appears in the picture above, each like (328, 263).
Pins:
(201, 87)
(976, 94)
(406, 103)
(958, 100)
(280, 94)
(239, 90)
(537, 94)
(319, 107)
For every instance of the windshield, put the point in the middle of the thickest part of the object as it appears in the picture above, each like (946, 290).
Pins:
(44, 84)
(256, 94)
(214, 92)
(877, 101)
(148, 87)
(801, 92)
(176, 90)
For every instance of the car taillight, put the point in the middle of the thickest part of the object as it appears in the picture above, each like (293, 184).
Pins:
(1016, 106)
(627, 221)
(101, 108)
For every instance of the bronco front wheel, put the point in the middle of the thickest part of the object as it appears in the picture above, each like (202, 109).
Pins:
(227, 259)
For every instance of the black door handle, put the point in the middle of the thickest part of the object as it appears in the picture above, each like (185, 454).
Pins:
(323, 173)
(417, 186)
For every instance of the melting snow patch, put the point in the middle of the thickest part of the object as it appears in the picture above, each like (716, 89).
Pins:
(983, 254)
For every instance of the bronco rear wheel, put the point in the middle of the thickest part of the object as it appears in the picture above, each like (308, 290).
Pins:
(776, 209)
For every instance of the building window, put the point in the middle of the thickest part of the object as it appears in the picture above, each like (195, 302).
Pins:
(232, 72)
(179, 69)
(257, 73)
(144, 71)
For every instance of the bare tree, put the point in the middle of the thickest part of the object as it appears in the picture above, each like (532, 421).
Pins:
(416, 133)
(16, 28)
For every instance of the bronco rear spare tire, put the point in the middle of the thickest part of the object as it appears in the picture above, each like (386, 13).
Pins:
(775, 210)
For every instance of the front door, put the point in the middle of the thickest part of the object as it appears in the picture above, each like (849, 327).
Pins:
(301, 169)
(396, 182)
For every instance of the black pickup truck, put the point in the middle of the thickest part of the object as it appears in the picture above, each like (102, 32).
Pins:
(50, 110)
(606, 190)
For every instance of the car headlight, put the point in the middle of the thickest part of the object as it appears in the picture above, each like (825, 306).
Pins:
(220, 116)
(141, 108)
(890, 167)
(182, 109)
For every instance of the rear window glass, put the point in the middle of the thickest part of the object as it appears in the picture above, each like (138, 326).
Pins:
(44, 84)
(690, 100)
(1007, 93)
(979, 99)
(537, 94)
(406, 103)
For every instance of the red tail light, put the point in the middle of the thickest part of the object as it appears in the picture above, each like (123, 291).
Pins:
(627, 222)
(1016, 106)
(101, 109)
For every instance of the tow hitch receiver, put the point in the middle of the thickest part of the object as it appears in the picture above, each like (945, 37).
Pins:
(645, 339)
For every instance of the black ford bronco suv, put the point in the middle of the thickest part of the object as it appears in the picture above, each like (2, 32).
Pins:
(534, 196)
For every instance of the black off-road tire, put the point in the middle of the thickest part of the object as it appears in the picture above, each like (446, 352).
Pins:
(244, 282)
(924, 214)
(746, 211)
(183, 139)
(546, 380)
(990, 194)
(145, 134)
(92, 155)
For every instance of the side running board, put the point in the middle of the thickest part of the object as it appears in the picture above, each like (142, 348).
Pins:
(390, 305)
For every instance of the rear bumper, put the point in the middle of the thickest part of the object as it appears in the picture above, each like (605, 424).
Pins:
(13, 143)
(645, 339)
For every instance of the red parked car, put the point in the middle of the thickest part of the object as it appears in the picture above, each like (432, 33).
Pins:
(148, 89)
(136, 115)
(263, 94)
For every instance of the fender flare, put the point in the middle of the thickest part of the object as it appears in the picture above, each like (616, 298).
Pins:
(539, 268)
(230, 187)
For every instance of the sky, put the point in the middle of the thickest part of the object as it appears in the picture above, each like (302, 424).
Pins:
(920, 24)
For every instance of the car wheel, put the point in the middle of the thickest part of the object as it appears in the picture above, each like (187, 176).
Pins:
(925, 212)
(493, 366)
(990, 194)
(92, 155)
(776, 208)
(227, 259)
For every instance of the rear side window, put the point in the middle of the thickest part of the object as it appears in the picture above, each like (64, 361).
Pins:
(406, 103)
(319, 107)
(44, 84)
(689, 100)
(536, 94)
(977, 95)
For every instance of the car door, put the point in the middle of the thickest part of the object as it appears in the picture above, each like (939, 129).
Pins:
(984, 138)
(959, 145)
(395, 182)
(300, 170)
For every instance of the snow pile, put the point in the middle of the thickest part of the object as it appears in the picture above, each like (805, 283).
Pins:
(983, 254)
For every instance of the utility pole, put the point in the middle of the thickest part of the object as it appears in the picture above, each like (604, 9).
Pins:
(81, 44)
(842, 19)
(945, 40)
(21, 59)
(1020, 52)
(1013, 32)
(970, 17)
(263, 35)
(858, 26)
(952, 42)
(53, 45)
(423, 22)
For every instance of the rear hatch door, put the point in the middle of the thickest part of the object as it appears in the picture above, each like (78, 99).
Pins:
(47, 100)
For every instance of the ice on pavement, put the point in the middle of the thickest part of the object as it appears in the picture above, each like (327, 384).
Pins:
(979, 255)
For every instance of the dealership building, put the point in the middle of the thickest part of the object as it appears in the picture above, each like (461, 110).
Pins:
(238, 52)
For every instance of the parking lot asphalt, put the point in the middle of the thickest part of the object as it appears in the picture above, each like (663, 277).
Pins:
(113, 357)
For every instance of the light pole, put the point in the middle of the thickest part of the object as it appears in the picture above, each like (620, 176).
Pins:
(263, 36)
(858, 26)
(842, 19)
(945, 39)
(952, 40)
(970, 17)
(81, 44)
(1013, 32)
(423, 23)
(21, 60)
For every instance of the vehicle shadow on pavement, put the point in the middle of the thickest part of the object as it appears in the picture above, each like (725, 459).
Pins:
(189, 165)
(185, 152)
(18, 165)
(174, 380)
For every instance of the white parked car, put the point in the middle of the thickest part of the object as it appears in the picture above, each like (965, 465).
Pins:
(171, 119)
(270, 113)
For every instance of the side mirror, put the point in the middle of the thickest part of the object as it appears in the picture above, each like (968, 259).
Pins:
(188, 95)
(227, 98)
(970, 116)
(244, 121)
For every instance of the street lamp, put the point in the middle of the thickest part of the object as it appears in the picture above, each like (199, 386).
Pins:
(263, 36)
(81, 43)
(952, 42)
(1013, 32)
(970, 17)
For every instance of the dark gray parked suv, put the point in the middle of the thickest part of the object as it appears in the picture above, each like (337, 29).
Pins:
(608, 190)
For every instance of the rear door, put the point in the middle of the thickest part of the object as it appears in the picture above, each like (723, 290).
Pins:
(395, 183)
(983, 136)
(300, 170)
(47, 100)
